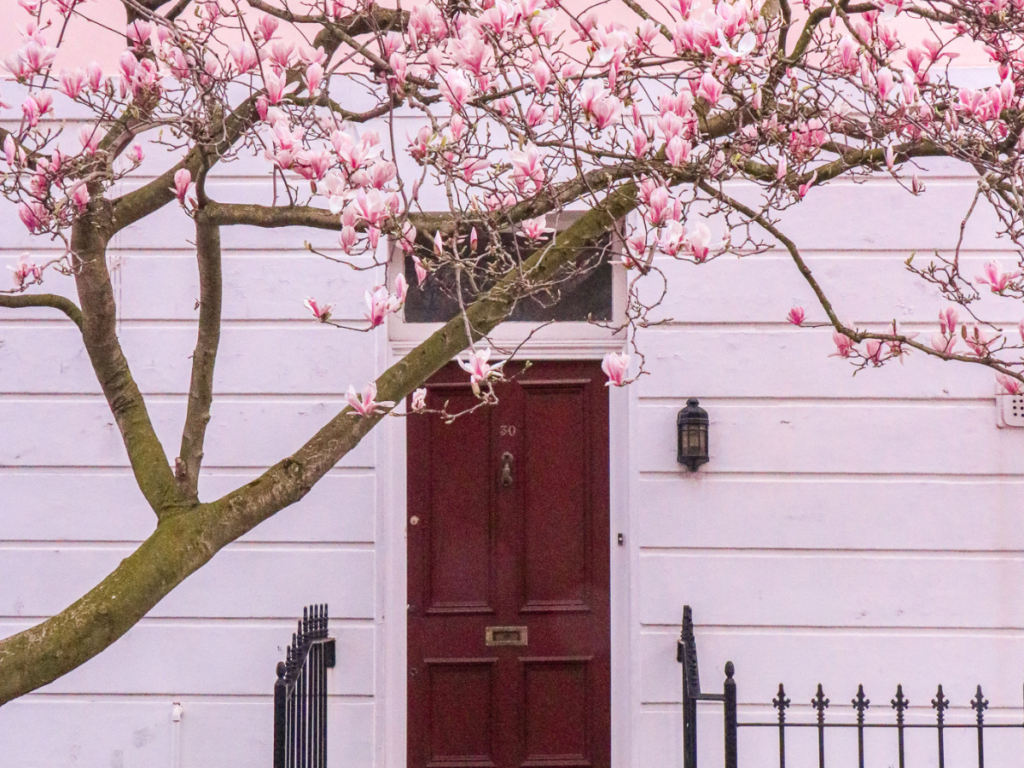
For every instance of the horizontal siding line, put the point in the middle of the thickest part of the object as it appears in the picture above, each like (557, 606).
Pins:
(316, 398)
(824, 630)
(775, 401)
(879, 179)
(284, 623)
(838, 253)
(157, 323)
(243, 546)
(748, 476)
(880, 553)
(125, 470)
(189, 253)
(183, 697)
(781, 325)
(51, 468)
(337, 398)
(780, 474)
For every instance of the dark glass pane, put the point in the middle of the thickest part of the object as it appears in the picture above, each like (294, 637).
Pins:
(585, 295)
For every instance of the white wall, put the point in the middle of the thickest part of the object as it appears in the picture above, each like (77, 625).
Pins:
(69, 509)
(847, 529)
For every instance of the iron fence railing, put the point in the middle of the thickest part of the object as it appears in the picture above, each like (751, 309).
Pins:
(300, 694)
(686, 654)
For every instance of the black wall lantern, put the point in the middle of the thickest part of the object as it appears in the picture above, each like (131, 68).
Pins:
(692, 442)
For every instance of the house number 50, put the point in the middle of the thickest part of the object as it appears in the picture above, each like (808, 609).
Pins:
(508, 430)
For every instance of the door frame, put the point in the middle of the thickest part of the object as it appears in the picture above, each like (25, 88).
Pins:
(559, 341)
(391, 641)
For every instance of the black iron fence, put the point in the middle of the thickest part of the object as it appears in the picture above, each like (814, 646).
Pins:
(895, 729)
(300, 694)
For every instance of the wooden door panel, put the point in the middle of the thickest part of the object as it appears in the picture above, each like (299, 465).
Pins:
(555, 501)
(458, 519)
(524, 553)
(460, 712)
(556, 731)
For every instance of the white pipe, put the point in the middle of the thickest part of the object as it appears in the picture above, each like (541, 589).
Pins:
(176, 712)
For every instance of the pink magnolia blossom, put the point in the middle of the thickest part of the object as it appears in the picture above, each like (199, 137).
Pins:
(80, 196)
(275, 87)
(534, 229)
(997, 280)
(244, 57)
(34, 216)
(873, 349)
(399, 66)
(401, 289)
(660, 207)
(419, 400)
(472, 166)
(456, 88)
(782, 168)
(699, 240)
(886, 84)
(479, 369)
(313, 77)
(1009, 384)
(979, 340)
(72, 82)
(806, 186)
(739, 54)
(26, 271)
(541, 76)
(710, 89)
(677, 151)
(943, 344)
(265, 27)
(421, 272)
(321, 312)
(615, 366)
(94, 75)
(380, 303)
(527, 170)
(366, 404)
(796, 316)
(89, 137)
(844, 344)
(182, 182)
(948, 319)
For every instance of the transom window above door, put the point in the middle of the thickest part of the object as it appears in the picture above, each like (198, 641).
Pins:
(586, 296)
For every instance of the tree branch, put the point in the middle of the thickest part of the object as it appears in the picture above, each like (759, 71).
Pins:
(67, 306)
(99, 317)
(186, 540)
(204, 359)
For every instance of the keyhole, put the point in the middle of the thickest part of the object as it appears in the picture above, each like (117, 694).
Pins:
(506, 469)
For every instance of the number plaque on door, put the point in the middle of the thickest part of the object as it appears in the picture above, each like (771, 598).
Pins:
(505, 636)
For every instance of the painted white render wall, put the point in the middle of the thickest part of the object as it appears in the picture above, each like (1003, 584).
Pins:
(69, 508)
(848, 529)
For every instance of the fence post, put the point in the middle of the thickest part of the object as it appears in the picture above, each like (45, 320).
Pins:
(979, 704)
(729, 700)
(686, 656)
(781, 702)
(279, 715)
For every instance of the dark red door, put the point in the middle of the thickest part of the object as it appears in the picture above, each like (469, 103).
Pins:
(509, 661)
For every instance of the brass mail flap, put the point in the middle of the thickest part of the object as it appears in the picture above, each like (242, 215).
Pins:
(506, 636)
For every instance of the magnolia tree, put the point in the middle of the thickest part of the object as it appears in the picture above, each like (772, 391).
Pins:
(525, 108)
